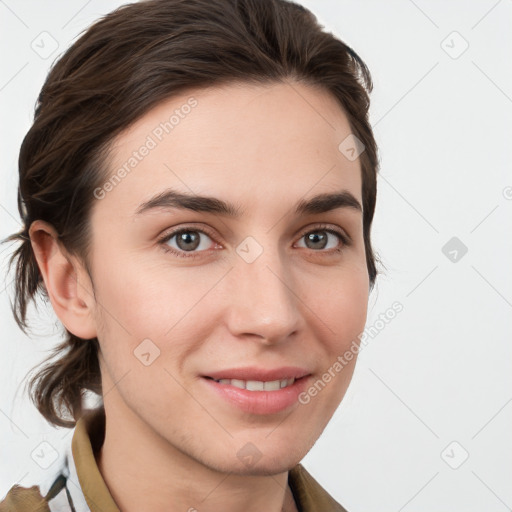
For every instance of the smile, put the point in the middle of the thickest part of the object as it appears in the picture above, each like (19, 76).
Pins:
(257, 396)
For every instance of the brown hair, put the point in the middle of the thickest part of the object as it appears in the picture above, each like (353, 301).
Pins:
(121, 67)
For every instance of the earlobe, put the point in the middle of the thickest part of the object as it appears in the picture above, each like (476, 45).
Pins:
(65, 281)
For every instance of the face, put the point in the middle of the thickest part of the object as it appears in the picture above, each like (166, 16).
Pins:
(259, 290)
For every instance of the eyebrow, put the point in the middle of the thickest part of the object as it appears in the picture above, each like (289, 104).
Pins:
(169, 199)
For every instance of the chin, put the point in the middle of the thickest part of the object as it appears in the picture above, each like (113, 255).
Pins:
(250, 461)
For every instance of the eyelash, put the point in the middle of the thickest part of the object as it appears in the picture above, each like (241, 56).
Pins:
(346, 241)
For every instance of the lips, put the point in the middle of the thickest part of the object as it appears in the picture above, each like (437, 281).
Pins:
(255, 390)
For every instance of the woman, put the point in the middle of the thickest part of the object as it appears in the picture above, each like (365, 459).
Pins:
(240, 128)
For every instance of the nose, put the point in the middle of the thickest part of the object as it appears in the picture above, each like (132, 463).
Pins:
(264, 299)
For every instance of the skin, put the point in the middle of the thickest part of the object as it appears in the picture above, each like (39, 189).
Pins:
(264, 147)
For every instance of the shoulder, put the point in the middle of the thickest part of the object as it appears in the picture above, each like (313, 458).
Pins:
(31, 499)
(24, 499)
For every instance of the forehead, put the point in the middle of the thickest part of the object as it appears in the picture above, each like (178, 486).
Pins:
(260, 143)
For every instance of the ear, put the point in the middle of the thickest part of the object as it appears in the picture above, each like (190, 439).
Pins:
(67, 283)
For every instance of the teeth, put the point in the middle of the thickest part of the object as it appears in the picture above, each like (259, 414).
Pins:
(237, 383)
(273, 385)
(255, 385)
(258, 385)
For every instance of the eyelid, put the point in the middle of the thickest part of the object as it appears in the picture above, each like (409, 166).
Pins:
(174, 231)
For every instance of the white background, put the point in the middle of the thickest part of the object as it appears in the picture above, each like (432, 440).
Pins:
(441, 371)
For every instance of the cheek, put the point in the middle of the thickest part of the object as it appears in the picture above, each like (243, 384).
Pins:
(342, 309)
(341, 313)
(165, 305)
(147, 298)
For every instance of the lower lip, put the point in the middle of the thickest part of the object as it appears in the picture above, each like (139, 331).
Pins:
(260, 402)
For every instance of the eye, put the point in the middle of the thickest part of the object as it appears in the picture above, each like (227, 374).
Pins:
(187, 241)
(317, 239)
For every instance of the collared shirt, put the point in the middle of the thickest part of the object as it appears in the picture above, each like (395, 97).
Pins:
(78, 485)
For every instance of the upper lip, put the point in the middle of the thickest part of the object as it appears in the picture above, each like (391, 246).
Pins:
(260, 374)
